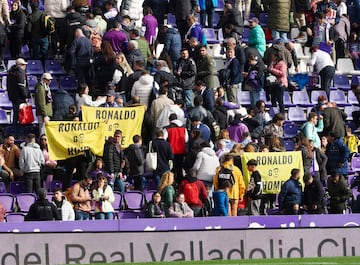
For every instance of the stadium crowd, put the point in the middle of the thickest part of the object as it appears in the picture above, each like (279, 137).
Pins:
(198, 131)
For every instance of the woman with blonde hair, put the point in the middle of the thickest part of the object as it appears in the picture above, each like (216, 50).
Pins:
(166, 190)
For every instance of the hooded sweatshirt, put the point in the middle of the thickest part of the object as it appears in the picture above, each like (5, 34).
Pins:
(31, 158)
(206, 163)
(143, 87)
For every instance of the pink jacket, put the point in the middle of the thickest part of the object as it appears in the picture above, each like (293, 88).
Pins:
(280, 71)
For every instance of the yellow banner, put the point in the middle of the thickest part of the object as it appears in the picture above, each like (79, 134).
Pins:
(67, 139)
(274, 168)
(128, 120)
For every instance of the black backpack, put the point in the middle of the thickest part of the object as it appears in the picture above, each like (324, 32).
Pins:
(226, 174)
(47, 24)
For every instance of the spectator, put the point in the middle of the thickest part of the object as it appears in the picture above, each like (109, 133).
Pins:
(64, 208)
(114, 161)
(73, 21)
(194, 30)
(186, 73)
(253, 79)
(351, 141)
(16, 29)
(176, 108)
(116, 37)
(80, 197)
(110, 11)
(221, 148)
(311, 128)
(306, 152)
(160, 9)
(143, 45)
(159, 104)
(164, 76)
(220, 113)
(313, 198)
(180, 208)
(207, 8)
(84, 99)
(339, 192)
(30, 162)
(254, 189)
(151, 25)
(205, 164)
(11, 154)
(135, 156)
(42, 209)
(275, 127)
(43, 101)
(196, 123)
(4, 20)
(172, 43)
(167, 191)
(181, 9)
(98, 168)
(81, 50)
(143, 87)
(221, 200)
(164, 155)
(301, 8)
(134, 54)
(338, 155)
(110, 100)
(177, 135)
(47, 171)
(207, 95)
(343, 28)
(237, 127)
(334, 119)
(237, 190)
(122, 72)
(61, 103)
(103, 197)
(318, 164)
(324, 66)
(194, 191)
(18, 92)
(278, 68)
(290, 194)
(281, 47)
(155, 208)
(257, 36)
(205, 68)
(234, 82)
(231, 16)
(279, 20)
(6, 174)
(100, 22)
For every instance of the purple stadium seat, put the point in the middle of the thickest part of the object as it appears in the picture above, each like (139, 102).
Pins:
(10, 63)
(355, 79)
(244, 98)
(3, 117)
(8, 200)
(210, 35)
(171, 20)
(245, 35)
(341, 82)
(54, 67)
(15, 218)
(220, 6)
(148, 195)
(130, 214)
(263, 19)
(68, 83)
(220, 35)
(117, 204)
(25, 200)
(34, 67)
(349, 110)
(296, 114)
(3, 84)
(352, 98)
(301, 98)
(287, 100)
(273, 111)
(5, 103)
(17, 187)
(339, 97)
(289, 145)
(263, 98)
(315, 94)
(134, 200)
(54, 85)
(25, 51)
(32, 81)
(55, 184)
(355, 163)
(216, 19)
(290, 130)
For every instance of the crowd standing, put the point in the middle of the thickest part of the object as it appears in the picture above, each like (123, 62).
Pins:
(109, 47)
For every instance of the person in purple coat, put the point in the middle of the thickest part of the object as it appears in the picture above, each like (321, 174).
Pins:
(150, 23)
(237, 128)
(116, 37)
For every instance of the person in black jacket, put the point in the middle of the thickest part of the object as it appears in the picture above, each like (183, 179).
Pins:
(220, 113)
(207, 95)
(17, 29)
(313, 198)
(155, 208)
(42, 209)
(114, 162)
(18, 91)
(135, 156)
(254, 189)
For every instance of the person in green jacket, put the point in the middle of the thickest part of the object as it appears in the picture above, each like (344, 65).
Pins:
(257, 36)
(167, 191)
(43, 101)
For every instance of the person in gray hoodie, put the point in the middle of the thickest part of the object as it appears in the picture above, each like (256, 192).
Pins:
(30, 162)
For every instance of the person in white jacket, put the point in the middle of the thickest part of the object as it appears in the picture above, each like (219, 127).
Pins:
(64, 207)
(84, 99)
(143, 87)
(205, 164)
(103, 197)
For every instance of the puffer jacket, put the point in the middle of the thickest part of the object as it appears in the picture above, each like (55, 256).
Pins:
(143, 87)
(279, 18)
(173, 43)
(205, 164)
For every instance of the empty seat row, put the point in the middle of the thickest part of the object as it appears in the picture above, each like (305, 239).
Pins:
(35, 67)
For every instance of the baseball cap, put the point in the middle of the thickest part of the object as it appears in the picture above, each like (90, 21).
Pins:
(47, 76)
(20, 61)
(253, 19)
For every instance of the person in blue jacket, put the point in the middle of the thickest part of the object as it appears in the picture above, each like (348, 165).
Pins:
(291, 194)
(221, 199)
(207, 8)
(338, 155)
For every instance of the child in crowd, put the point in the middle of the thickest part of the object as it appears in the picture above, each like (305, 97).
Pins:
(351, 141)
(253, 79)
(98, 168)
(254, 189)
(221, 199)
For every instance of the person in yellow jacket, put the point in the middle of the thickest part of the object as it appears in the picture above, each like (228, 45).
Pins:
(351, 141)
(237, 191)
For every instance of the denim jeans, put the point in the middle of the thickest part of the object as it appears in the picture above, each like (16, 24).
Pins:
(80, 215)
(188, 98)
(210, 11)
(40, 48)
(118, 184)
(279, 35)
(103, 216)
